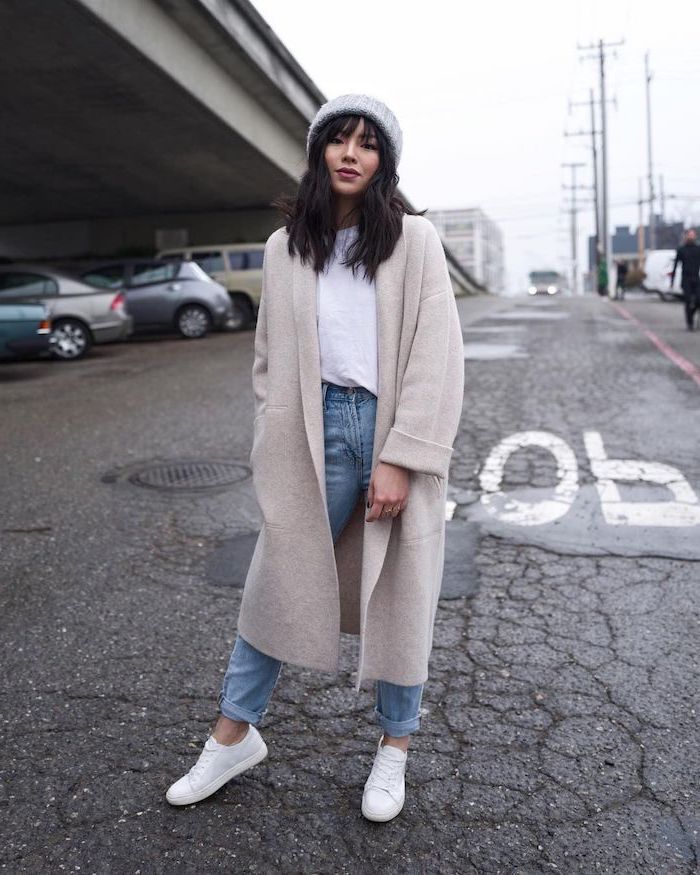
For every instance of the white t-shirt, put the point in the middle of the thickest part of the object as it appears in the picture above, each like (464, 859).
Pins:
(347, 320)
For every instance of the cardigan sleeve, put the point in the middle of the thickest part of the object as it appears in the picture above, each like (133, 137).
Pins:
(429, 407)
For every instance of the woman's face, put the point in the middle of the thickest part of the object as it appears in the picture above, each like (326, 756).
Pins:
(352, 160)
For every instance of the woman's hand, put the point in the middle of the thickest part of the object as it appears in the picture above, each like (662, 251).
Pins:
(387, 494)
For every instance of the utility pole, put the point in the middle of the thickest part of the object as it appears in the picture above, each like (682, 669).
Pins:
(596, 193)
(650, 167)
(662, 199)
(604, 200)
(640, 228)
(574, 230)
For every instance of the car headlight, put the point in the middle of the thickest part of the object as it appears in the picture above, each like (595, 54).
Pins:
(532, 290)
(552, 290)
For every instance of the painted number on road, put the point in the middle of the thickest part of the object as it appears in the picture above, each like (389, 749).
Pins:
(526, 513)
(683, 509)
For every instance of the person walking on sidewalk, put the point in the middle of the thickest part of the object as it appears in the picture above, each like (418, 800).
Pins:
(689, 257)
(620, 278)
(358, 381)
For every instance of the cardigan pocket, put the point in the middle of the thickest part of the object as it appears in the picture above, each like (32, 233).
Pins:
(424, 514)
(269, 460)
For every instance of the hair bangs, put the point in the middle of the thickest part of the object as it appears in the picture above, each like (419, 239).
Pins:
(346, 124)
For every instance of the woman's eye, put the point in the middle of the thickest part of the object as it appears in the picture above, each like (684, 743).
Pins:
(339, 140)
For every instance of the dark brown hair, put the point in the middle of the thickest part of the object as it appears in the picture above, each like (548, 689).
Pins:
(309, 215)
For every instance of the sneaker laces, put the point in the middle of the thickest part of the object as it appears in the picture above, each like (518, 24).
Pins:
(204, 759)
(386, 772)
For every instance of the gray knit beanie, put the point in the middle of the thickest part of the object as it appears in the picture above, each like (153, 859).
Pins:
(359, 104)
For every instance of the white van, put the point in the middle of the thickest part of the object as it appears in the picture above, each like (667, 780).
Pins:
(237, 266)
(658, 267)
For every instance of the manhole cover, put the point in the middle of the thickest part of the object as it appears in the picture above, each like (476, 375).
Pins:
(182, 476)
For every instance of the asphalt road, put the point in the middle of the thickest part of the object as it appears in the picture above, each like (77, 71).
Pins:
(560, 729)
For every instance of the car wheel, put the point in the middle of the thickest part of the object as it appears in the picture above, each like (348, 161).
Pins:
(242, 314)
(193, 321)
(71, 339)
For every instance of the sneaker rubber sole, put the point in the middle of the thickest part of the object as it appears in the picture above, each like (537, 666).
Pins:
(383, 818)
(214, 785)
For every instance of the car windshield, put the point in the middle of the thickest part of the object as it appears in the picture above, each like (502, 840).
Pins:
(20, 283)
(544, 277)
(105, 277)
(190, 270)
(210, 262)
(149, 272)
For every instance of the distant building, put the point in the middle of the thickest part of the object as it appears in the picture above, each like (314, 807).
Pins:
(669, 235)
(475, 241)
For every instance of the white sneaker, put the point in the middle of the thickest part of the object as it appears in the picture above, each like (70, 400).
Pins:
(217, 764)
(385, 789)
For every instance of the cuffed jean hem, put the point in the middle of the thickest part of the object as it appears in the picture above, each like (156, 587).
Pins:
(395, 728)
(235, 712)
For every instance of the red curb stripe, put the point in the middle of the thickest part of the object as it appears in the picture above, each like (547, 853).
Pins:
(686, 366)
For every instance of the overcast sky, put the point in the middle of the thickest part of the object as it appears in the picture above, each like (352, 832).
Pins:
(481, 91)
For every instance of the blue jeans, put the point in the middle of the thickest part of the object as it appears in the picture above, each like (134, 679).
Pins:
(348, 422)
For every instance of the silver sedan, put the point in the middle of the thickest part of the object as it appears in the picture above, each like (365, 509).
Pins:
(81, 314)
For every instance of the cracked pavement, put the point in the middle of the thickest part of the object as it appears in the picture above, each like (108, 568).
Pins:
(560, 727)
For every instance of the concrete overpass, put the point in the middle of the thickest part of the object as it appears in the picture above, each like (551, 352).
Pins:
(134, 124)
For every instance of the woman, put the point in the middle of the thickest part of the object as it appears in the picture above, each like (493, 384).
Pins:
(358, 381)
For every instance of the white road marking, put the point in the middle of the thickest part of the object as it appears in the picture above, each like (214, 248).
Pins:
(683, 510)
(535, 315)
(486, 352)
(525, 513)
(498, 329)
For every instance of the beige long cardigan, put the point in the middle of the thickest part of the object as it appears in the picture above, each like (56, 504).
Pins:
(382, 579)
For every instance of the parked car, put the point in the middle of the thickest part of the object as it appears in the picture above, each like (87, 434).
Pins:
(25, 331)
(658, 266)
(80, 314)
(237, 266)
(167, 295)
